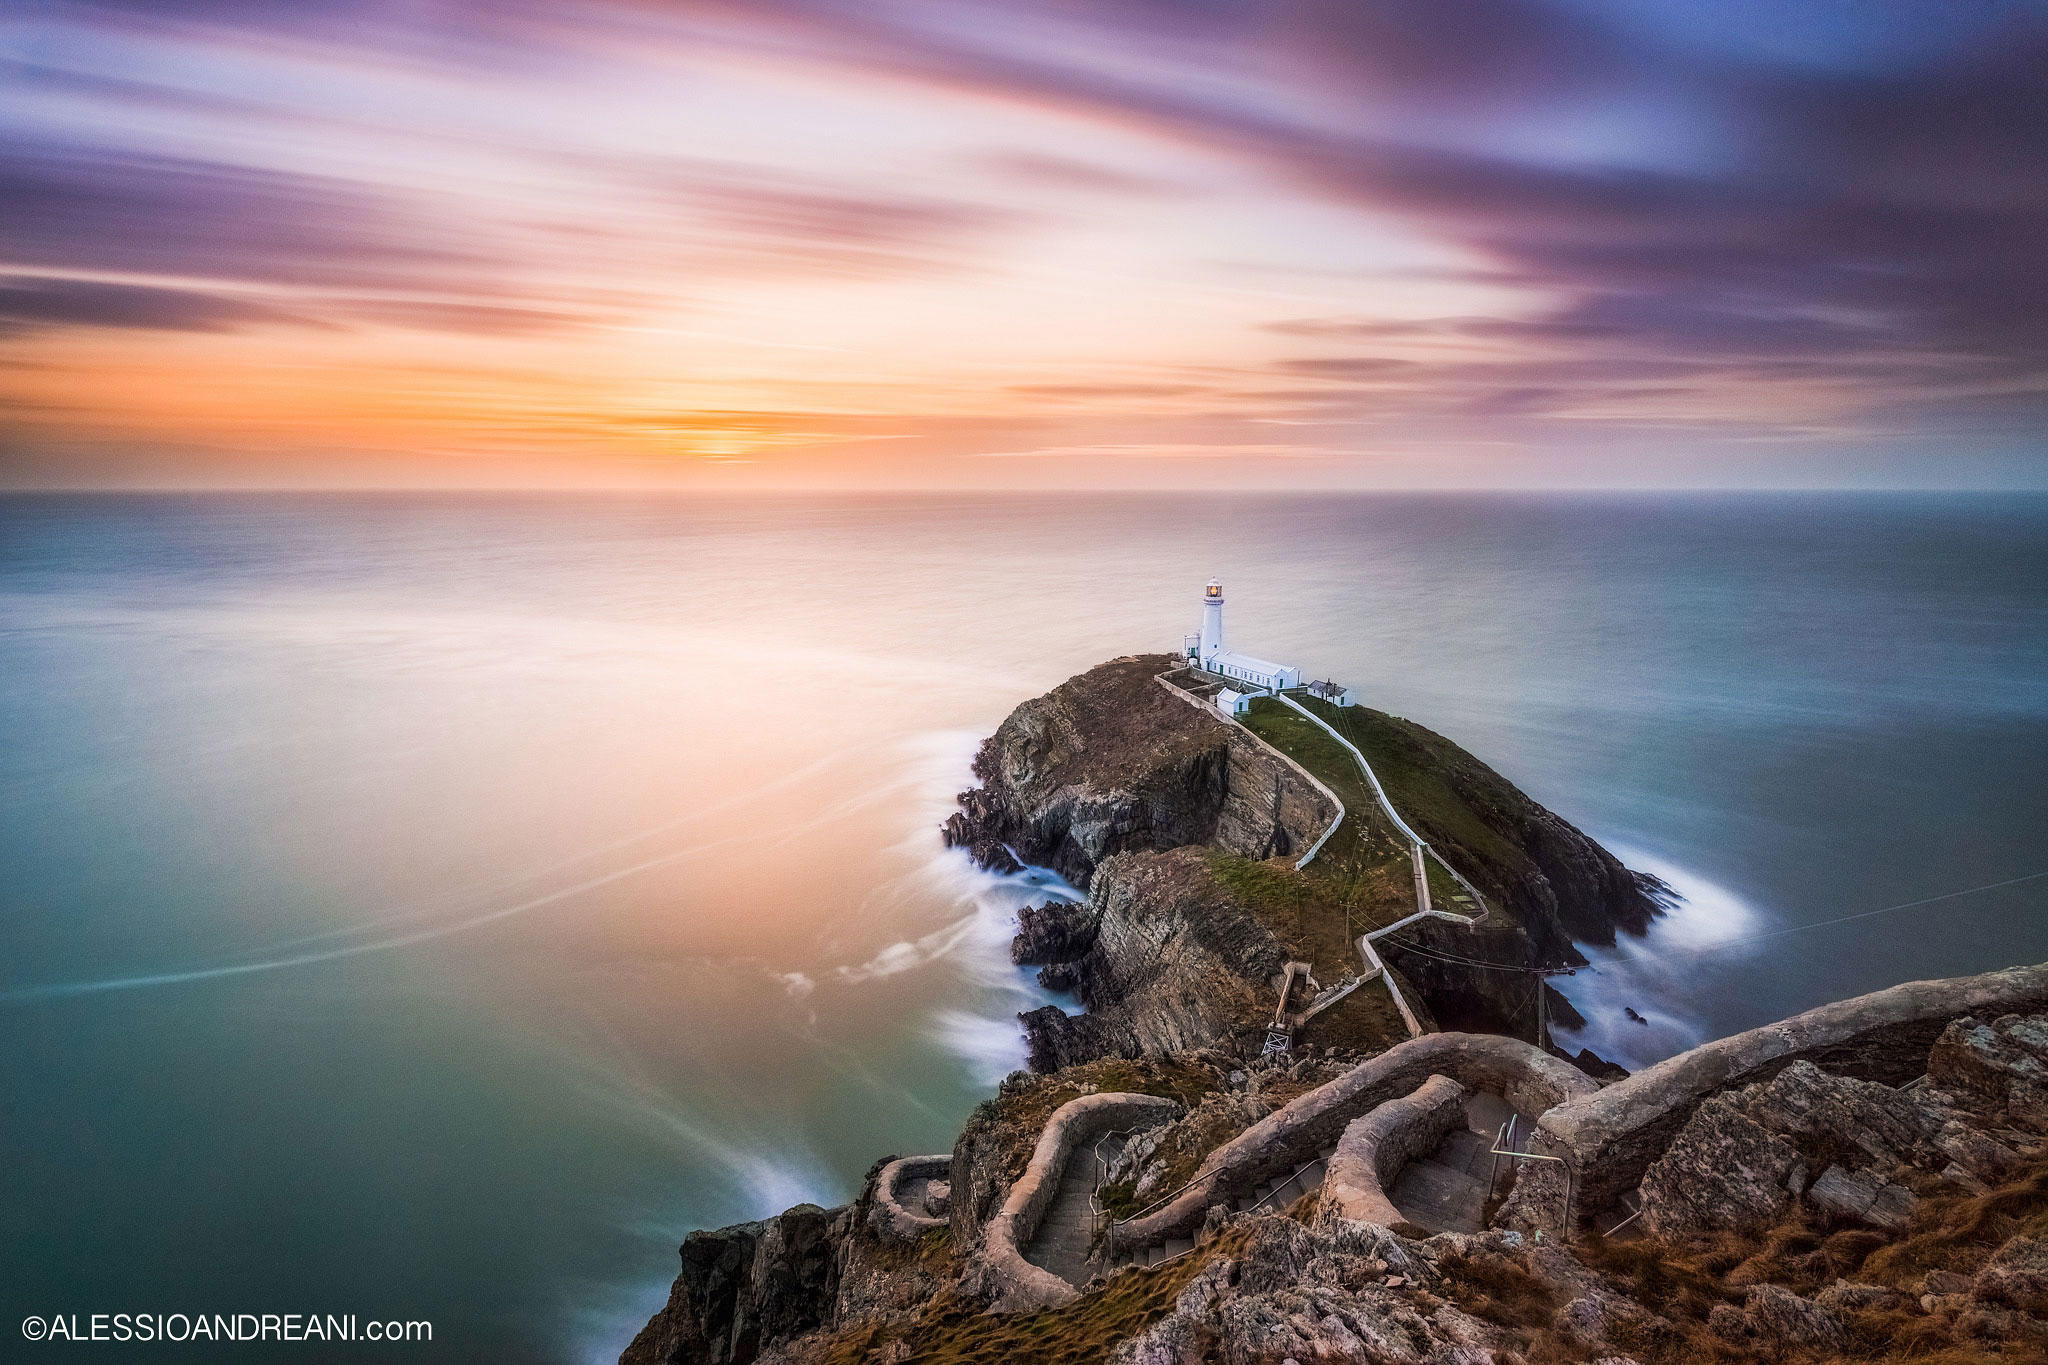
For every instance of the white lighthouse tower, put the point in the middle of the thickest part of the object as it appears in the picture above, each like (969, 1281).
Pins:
(1212, 621)
(1242, 671)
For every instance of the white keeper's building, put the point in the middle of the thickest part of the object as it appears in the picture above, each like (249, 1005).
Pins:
(1206, 651)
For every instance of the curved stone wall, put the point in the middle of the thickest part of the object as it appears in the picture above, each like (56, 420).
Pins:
(890, 1217)
(1532, 1080)
(1610, 1138)
(1375, 1148)
(1012, 1283)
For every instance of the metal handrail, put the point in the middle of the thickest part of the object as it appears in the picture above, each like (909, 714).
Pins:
(1503, 1143)
(1285, 1183)
(1095, 1191)
(1640, 1206)
(1162, 1201)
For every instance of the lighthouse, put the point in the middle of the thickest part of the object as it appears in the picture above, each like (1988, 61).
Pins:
(1206, 651)
(1212, 621)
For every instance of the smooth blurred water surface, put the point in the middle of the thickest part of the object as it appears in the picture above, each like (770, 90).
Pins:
(433, 906)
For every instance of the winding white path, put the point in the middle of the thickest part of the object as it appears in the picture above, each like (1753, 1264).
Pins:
(1419, 850)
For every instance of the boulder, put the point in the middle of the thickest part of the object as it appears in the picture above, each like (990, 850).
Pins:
(1724, 1170)
(1803, 1101)
(1586, 1322)
(1780, 1315)
(2016, 1276)
(1864, 1197)
(1977, 1152)
(1058, 931)
(1981, 1062)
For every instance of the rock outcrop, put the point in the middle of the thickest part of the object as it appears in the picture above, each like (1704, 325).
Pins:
(746, 1286)
(1612, 1138)
(1114, 762)
(1174, 963)
(1053, 933)
(1851, 1148)
(1830, 1140)
(1111, 761)
(1795, 1155)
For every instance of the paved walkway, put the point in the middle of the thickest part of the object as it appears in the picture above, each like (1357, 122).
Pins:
(1061, 1243)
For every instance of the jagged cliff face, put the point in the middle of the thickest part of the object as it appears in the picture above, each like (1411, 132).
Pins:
(1168, 963)
(746, 1286)
(1549, 876)
(1111, 761)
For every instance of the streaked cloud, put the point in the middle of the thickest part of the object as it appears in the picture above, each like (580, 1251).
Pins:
(31, 302)
(906, 233)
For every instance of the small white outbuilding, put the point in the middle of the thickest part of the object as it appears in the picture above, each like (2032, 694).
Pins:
(1232, 703)
(1334, 693)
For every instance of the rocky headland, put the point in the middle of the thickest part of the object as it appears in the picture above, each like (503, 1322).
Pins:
(1867, 1181)
(1156, 804)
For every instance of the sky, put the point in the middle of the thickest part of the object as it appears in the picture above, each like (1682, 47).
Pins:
(1024, 243)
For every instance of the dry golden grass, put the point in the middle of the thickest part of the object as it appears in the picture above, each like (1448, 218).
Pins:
(1501, 1290)
(1952, 1230)
(954, 1331)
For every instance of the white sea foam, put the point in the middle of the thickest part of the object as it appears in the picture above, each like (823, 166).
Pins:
(1655, 975)
(984, 1033)
(902, 957)
(992, 1048)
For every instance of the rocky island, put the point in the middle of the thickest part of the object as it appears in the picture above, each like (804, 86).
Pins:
(1309, 1109)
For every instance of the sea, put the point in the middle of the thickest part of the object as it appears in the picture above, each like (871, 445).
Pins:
(430, 907)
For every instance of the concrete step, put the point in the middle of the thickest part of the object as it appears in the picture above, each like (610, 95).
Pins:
(1439, 1197)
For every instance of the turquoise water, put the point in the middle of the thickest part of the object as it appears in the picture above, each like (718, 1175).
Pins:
(433, 906)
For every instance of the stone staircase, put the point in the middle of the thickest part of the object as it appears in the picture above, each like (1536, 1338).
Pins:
(1065, 1238)
(1272, 1195)
(1445, 1191)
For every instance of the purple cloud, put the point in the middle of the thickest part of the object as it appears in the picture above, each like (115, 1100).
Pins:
(99, 210)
